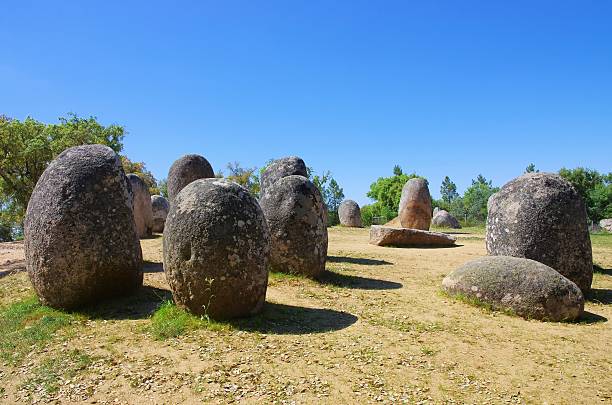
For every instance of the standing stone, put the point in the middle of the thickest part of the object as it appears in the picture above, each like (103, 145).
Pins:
(216, 250)
(435, 211)
(540, 216)
(185, 170)
(81, 244)
(287, 166)
(606, 224)
(297, 218)
(350, 214)
(143, 213)
(160, 207)
(443, 219)
(415, 205)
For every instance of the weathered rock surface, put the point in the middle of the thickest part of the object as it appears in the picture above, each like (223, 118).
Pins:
(350, 214)
(606, 224)
(435, 211)
(387, 236)
(526, 287)
(80, 238)
(160, 207)
(297, 218)
(540, 216)
(415, 205)
(143, 213)
(185, 170)
(287, 166)
(443, 219)
(216, 250)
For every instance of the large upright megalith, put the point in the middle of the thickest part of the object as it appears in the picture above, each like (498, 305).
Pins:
(160, 207)
(349, 214)
(216, 249)
(415, 205)
(186, 169)
(143, 212)
(297, 218)
(81, 244)
(283, 167)
(540, 216)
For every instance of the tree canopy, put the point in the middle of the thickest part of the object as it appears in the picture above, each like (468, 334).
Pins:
(595, 189)
(27, 147)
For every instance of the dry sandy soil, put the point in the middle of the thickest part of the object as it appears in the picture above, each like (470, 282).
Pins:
(376, 329)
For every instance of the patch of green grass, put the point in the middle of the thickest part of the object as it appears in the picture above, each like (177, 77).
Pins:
(407, 325)
(171, 321)
(47, 377)
(428, 351)
(601, 240)
(476, 302)
(27, 323)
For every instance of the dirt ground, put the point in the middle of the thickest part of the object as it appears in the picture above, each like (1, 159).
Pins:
(375, 329)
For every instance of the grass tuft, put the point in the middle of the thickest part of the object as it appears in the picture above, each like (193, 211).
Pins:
(27, 323)
(170, 321)
(47, 377)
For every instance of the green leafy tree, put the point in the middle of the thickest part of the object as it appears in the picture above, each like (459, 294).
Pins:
(531, 169)
(448, 190)
(387, 191)
(594, 188)
(27, 147)
(140, 169)
(331, 192)
(473, 204)
(163, 188)
(246, 177)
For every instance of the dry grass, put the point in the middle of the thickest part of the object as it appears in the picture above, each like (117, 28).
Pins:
(376, 328)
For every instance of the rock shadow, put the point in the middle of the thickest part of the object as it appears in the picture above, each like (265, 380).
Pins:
(284, 319)
(589, 317)
(600, 270)
(357, 260)
(139, 305)
(152, 267)
(356, 282)
(12, 268)
(600, 296)
(423, 246)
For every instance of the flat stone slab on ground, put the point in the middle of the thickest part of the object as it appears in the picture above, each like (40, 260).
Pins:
(390, 236)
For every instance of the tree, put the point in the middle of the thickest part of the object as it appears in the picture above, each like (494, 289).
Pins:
(331, 192)
(163, 188)
(448, 190)
(140, 169)
(387, 191)
(594, 188)
(27, 147)
(246, 177)
(474, 201)
(531, 169)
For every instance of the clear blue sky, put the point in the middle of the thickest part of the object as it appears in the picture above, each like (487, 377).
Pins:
(452, 88)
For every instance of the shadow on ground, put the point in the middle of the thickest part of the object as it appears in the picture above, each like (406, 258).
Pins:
(140, 305)
(12, 268)
(357, 260)
(600, 296)
(356, 282)
(589, 317)
(601, 270)
(284, 319)
(152, 267)
(423, 246)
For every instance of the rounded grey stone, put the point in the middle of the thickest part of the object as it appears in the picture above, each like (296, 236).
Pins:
(287, 166)
(160, 207)
(185, 170)
(540, 216)
(526, 287)
(143, 213)
(443, 219)
(350, 214)
(216, 249)
(81, 244)
(415, 205)
(297, 218)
